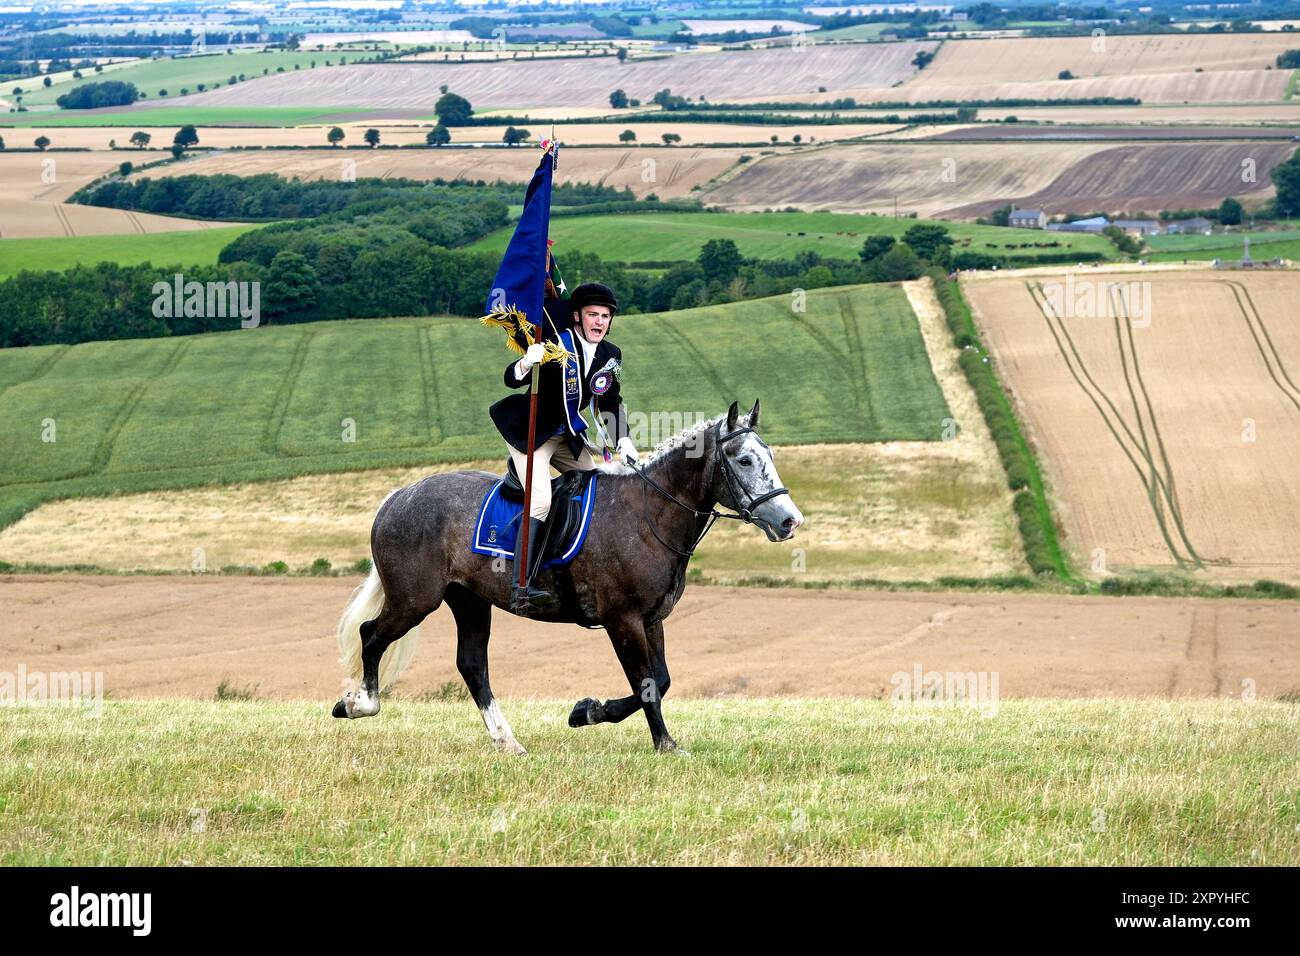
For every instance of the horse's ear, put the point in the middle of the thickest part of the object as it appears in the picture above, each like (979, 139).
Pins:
(732, 412)
(753, 415)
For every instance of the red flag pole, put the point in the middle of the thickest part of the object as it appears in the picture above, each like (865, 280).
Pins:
(524, 520)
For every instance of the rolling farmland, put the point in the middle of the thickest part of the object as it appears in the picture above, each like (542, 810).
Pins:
(175, 73)
(33, 186)
(1166, 409)
(969, 180)
(775, 235)
(194, 247)
(733, 75)
(1156, 69)
(270, 402)
(668, 172)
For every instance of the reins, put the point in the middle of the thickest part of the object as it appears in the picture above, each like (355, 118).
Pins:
(745, 514)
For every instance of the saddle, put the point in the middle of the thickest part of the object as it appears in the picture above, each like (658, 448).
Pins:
(565, 516)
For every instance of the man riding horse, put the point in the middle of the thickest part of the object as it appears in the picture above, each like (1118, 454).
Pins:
(627, 570)
(591, 373)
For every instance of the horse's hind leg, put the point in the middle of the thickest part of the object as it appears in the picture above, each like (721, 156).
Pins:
(376, 636)
(473, 628)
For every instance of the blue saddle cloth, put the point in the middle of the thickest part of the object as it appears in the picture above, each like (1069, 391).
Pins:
(497, 526)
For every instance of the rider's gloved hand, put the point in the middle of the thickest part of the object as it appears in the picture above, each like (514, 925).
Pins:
(628, 450)
(532, 356)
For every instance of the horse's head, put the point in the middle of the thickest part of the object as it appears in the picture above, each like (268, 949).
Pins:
(748, 482)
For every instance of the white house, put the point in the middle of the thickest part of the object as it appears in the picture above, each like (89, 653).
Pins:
(1027, 219)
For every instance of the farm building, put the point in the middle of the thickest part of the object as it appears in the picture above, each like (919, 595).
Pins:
(1027, 219)
(1095, 224)
(1187, 227)
(1139, 227)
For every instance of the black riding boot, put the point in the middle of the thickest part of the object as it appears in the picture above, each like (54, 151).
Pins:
(530, 598)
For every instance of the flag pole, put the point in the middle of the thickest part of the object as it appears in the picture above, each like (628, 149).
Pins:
(538, 335)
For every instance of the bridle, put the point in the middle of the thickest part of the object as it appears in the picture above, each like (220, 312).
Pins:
(745, 513)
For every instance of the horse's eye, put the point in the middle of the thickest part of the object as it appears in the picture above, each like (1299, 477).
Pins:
(746, 461)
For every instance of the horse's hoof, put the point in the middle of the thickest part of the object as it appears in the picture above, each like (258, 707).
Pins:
(354, 705)
(584, 712)
(670, 747)
(511, 746)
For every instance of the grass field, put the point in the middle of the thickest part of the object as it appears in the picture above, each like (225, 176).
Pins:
(180, 115)
(1263, 245)
(175, 73)
(271, 402)
(839, 781)
(663, 236)
(196, 247)
(1261, 250)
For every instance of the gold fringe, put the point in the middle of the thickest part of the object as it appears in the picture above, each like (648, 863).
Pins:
(517, 327)
(519, 330)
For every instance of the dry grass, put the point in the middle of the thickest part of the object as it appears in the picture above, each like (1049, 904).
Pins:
(912, 510)
(168, 783)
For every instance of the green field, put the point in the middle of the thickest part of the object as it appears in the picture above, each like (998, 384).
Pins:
(862, 31)
(192, 247)
(172, 74)
(1226, 245)
(167, 783)
(180, 115)
(270, 402)
(770, 235)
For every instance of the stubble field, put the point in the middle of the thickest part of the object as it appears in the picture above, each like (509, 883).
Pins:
(1169, 422)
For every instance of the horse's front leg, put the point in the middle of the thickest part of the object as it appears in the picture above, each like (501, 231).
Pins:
(640, 650)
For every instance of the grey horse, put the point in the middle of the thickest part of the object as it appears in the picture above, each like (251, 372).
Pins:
(629, 575)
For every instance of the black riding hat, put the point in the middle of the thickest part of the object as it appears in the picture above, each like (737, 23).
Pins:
(592, 293)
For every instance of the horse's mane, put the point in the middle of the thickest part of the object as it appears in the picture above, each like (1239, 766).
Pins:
(662, 451)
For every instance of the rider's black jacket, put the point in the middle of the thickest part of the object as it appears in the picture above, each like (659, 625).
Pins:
(510, 414)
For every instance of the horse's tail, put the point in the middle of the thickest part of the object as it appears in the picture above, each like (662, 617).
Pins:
(366, 604)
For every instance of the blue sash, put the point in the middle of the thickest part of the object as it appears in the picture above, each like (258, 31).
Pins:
(572, 384)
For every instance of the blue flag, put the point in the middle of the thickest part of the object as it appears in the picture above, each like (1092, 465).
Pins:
(519, 288)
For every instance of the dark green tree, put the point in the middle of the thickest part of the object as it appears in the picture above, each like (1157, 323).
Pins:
(1230, 212)
(899, 264)
(1286, 179)
(875, 247)
(453, 110)
(926, 239)
(291, 286)
(720, 260)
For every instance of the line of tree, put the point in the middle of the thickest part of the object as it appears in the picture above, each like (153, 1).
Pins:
(268, 196)
(378, 266)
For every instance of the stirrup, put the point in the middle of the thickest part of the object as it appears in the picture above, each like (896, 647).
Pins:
(530, 598)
